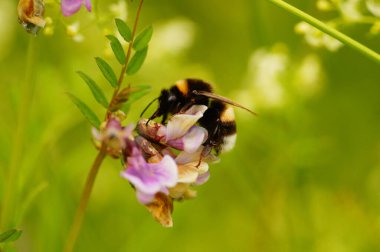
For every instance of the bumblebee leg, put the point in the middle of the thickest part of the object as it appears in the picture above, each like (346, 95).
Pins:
(152, 117)
(164, 117)
(205, 152)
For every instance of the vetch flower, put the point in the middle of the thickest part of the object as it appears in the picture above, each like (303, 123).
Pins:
(114, 136)
(180, 132)
(150, 178)
(192, 170)
(70, 7)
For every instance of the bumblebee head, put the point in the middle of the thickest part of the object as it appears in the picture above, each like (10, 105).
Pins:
(167, 101)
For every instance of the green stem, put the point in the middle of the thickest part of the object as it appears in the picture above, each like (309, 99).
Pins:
(128, 56)
(11, 194)
(328, 30)
(78, 219)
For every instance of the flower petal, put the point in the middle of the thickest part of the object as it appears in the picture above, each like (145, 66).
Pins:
(150, 178)
(87, 4)
(181, 191)
(191, 141)
(179, 124)
(186, 157)
(187, 173)
(144, 198)
(161, 209)
(194, 139)
(166, 171)
(139, 174)
(202, 178)
(69, 7)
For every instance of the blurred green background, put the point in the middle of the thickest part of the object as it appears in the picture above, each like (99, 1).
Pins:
(304, 175)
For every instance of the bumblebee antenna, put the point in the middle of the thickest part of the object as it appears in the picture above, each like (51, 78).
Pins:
(222, 99)
(146, 108)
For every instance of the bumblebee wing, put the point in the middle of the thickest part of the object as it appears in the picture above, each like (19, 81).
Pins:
(222, 99)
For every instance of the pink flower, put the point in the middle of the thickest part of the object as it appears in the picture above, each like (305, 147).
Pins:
(150, 178)
(180, 132)
(70, 7)
(113, 135)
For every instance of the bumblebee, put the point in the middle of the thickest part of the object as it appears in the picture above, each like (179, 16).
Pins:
(30, 15)
(218, 119)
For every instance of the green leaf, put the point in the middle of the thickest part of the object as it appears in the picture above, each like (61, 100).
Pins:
(95, 89)
(137, 61)
(10, 235)
(142, 40)
(117, 49)
(124, 30)
(142, 90)
(107, 71)
(86, 111)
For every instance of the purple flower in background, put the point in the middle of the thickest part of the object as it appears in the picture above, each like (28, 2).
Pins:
(70, 7)
(150, 178)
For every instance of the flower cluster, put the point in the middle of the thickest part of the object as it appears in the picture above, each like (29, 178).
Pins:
(269, 68)
(349, 12)
(162, 162)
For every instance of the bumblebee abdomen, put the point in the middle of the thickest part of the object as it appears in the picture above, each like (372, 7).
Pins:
(228, 129)
(228, 143)
(219, 120)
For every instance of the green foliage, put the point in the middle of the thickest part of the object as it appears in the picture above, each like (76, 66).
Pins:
(86, 111)
(107, 71)
(141, 91)
(137, 61)
(117, 49)
(123, 29)
(142, 40)
(10, 235)
(95, 89)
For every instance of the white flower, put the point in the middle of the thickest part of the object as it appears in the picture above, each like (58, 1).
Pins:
(350, 9)
(173, 37)
(317, 38)
(119, 9)
(73, 31)
(374, 7)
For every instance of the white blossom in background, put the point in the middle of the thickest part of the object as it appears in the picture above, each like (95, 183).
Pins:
(119, 10)
(346, 13)
(374, 7)
(73, 31)
(309, 76)
(350, 9)
(273, 77)
(172, 37)
(266, 70)
(317, 38)
(325, 5)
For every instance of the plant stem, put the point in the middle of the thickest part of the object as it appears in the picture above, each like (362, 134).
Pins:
(74, 231)
(11, 193)
(75, 228)
(127, 57)
(328, 30)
